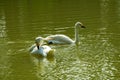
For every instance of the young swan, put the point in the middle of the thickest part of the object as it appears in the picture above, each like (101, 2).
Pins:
(63, 39)
(39, 50)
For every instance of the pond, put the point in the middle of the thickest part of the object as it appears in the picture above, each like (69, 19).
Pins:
(96, 58)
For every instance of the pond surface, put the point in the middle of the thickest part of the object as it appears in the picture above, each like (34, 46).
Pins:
(97, 57)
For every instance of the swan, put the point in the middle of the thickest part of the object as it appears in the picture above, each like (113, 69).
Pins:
(40, 50)
(63, 39)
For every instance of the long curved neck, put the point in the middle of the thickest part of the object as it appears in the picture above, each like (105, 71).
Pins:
(76, 34)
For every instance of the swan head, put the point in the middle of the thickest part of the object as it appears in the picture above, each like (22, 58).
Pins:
(38, 41)
(79, 24)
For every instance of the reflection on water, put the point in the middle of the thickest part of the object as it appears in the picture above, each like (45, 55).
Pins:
(43, 65)
(2, 25)
(5, 70)
(101, 63)
(97, 57)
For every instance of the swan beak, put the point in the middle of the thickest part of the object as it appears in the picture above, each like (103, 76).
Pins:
(83, 27)
(38, 47)
(37, 44)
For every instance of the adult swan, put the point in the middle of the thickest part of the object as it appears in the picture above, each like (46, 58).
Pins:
(39, 50)
(63, 39)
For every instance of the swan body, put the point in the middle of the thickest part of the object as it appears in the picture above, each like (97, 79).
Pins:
(40, 50)
(58, 39)
(63, 39)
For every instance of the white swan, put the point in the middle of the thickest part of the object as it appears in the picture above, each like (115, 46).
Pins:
(63, 39)
(39, 50)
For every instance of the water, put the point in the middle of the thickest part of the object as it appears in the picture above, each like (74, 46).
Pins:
(97, 57)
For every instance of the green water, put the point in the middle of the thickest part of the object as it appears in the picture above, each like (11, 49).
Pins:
(97, 57)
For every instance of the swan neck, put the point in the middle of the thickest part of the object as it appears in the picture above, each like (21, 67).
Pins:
(76, 34)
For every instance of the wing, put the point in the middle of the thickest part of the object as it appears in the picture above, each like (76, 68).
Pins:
(58, 39)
